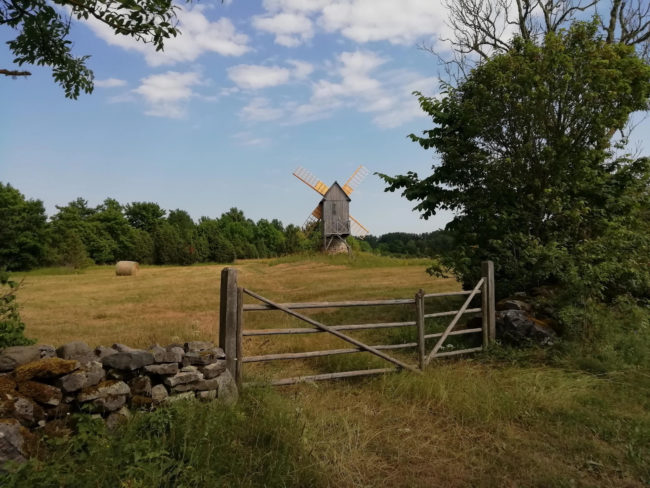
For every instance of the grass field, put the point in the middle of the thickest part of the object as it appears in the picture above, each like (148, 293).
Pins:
(502, 419)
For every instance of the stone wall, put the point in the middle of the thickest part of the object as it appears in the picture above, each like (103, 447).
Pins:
(40, 385)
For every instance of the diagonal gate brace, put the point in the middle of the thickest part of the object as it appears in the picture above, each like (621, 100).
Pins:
(336, 333)
(451, 325)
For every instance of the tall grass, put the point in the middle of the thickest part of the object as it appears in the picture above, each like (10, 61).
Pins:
(259, 442)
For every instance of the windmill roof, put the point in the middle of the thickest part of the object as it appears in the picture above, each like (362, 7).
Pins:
(338, 188)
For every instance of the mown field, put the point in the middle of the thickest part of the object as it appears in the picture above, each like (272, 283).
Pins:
(502, 418)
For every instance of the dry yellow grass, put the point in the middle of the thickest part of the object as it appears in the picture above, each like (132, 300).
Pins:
(165, 304)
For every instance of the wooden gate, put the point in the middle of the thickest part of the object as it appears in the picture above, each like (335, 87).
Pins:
(232, 329)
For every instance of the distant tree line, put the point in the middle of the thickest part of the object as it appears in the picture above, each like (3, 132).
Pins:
(78, 235)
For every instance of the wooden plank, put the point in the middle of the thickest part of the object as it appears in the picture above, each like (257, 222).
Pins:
(491, 303)
(325, 352)
(454, 321)
(330, 376)
(453, 333)
(249, 307)
(456, 353)
(259, 332)
(447, 294)
(240, 325)
(419, 314)
(336, 333)
(485, 323)
(228, 317)
(450, 313)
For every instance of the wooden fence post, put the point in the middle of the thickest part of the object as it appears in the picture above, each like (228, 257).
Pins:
(239, 365)
(488, 303)
(419, 321)
(228, 318)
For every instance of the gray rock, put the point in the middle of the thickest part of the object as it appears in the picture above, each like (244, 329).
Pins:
(102, 351)
(94, 373)
(518, 328)
(181, 396)
(211, 384)
(109, 403)
(122, 348)
(162, 369)
(512, 304)
(184, 387)
(116, 419)
(27, 411)
(103, 390)
(78, 351)
(193, 346)
(158, 353)
(213, 370)
(42, 393)
(12, 357)
(12, 442)
(128, 360)
(47, 351)
(159, 393)
(89, 375)
(207, 395)
(204, 357)
(227, 392)
(183, 377)
(140, 385)
(187, 369)
(174, 354)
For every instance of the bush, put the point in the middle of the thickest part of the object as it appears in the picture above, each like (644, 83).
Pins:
(11, 326)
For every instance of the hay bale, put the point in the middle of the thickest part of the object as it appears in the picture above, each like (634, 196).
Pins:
(126, 268)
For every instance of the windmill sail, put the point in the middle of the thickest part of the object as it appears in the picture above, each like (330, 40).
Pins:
(358, 230)
(310, 180)
(353, 181)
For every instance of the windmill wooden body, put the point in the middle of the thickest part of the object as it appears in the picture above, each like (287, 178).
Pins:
(334, 209)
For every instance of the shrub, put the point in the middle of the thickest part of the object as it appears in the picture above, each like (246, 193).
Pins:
(11, 326)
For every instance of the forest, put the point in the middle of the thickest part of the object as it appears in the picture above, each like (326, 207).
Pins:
(78, 235)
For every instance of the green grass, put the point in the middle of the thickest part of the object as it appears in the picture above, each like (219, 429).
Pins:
(258, 442)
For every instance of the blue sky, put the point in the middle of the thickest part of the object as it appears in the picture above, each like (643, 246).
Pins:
(249, 92)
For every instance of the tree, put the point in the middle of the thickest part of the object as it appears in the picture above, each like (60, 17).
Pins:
(144, 215)
(43, 29)
(22, 230)
(483, 28)
(528, 166)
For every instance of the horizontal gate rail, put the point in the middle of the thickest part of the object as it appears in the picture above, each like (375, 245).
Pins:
(255, 332)
(298, 306)
(331, 376)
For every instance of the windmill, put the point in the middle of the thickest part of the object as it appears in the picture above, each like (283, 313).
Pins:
(333, 209)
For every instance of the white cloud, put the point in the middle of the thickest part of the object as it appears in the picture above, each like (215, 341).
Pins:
(109, 83)
(290, 29)
(259, 109)
(253, 77)
(167, 94)
(398, 22)
(248, 139)
(359, 84)
(304, 6)
(198, 35)
(301, 69)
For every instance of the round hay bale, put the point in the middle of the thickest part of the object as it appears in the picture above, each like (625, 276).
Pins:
(126, 268)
